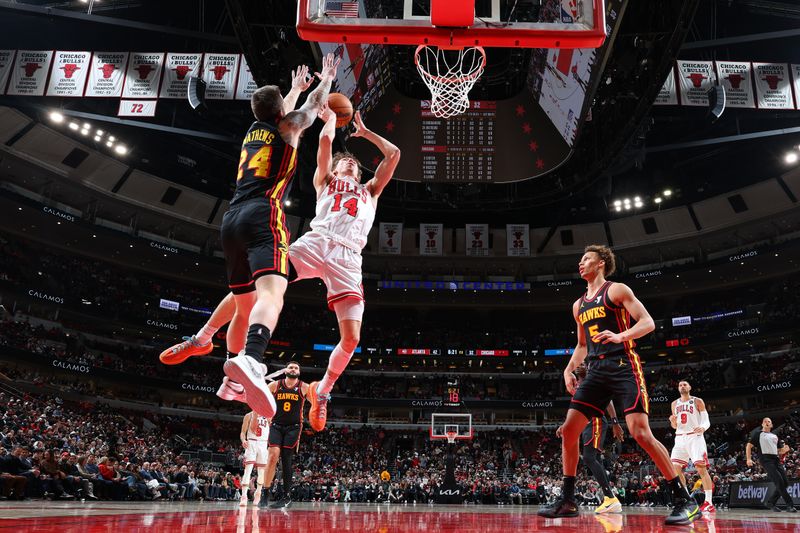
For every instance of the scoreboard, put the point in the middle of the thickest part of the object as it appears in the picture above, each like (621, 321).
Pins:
(460, 148)
(452, 394)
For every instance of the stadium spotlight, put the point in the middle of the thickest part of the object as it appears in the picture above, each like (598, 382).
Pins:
(86, 125)
(109, 144)
(112, 138)
(84, 132)
(617, 208)
(667, 192)
(627, 207)
(100, 132)
(56, 117)
(637, 199)
(288, 202)
(791, 157)
(638, 205)
(73, 125)
(121, 149)
(657, 199)
(617, 203)
(97, 138)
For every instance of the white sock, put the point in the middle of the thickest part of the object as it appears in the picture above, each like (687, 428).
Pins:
(708, 496)
(337, 363)
(206, 332)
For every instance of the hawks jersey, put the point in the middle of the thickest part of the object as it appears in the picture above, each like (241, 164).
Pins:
(289, 402)
(262, 430)
(266, 165)
(345, 212)
(599, 314)
(688, 415)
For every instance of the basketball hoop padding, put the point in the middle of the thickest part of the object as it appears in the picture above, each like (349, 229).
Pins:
(452, 13)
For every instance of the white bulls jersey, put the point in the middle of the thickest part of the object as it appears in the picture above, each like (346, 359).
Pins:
(345, 212)
(262, 430)
(688, 415)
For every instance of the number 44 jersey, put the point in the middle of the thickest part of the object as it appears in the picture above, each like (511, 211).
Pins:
(345, 212)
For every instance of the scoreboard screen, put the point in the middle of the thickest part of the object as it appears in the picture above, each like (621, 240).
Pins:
(452, 394)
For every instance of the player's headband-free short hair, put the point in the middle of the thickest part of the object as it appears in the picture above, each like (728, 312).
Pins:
(606, 255)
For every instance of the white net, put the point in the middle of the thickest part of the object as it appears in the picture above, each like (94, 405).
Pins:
(449, 75)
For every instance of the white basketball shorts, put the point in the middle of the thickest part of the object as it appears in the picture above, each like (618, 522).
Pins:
(690, 448)
(256, 452)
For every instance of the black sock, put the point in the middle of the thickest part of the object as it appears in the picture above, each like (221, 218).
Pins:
(678, 490)
(569, 488)
(257, 341)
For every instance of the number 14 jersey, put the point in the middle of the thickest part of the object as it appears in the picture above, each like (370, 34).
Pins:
(345, 212)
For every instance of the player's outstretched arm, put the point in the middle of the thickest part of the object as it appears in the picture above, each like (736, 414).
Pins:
(391, 156)
(301, 81)
(293, 124)
(325, 149)
(578, 354)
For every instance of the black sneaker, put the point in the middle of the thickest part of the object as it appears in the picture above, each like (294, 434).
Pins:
(561, 508)
(281, 504)
(791, 509)
(684, 512)
(776, 509)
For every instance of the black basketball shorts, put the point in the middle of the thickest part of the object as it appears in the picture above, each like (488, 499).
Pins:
(618, 378)
(281, 436)
(594, 434)
(255, 240)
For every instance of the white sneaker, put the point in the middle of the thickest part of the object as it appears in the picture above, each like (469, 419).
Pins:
(243, 501)
(230, 390)
(257, 496)
(247, 372)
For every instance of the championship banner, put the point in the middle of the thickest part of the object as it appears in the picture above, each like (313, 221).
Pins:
(668, 95)
(246, 85)
(70, 70)
(390, 239)
(219, 73)
(795, 76)
(477, 237)
(29, 74)
(177, 70)
(143, 75)
(773, 86)
(518, 242)
(430, 239)
(696, 78)
(107, 74)
(736, 77)
(6, 59)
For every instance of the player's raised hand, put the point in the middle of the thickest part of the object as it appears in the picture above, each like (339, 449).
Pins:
(325, 114)
(329, 65)
(570, 381)
(358, 124)
(301, 79)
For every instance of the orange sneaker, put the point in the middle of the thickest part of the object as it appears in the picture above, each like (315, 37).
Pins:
(318, 414)
(182, 351)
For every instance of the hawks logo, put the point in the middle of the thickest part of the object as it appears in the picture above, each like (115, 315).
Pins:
(70, 69)
(108, 69)
(772, 80)
(31, 68)
(182, 71)
(697, 79)
(735, 80)
(219, 72)
(144, 71)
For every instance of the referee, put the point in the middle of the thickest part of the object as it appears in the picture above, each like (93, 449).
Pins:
(769, 447)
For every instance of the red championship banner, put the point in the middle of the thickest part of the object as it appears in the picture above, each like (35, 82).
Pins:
(70, 70)
(246, 85)
(668, 95)
(773, 86)
(219, 73)
(737, 79)
(518, 242)
(29, 74)
(178, 69)
(695, 80)
(107, 74)
(6, 60)
(795, 77)
(430, 239)
(391, 238)
(477, 237)
(143, 75)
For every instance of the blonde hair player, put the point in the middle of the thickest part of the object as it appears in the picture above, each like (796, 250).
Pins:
(689, 419)
(255, 440)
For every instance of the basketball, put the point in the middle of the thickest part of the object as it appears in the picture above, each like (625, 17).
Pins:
(386, 476)
(340, 104)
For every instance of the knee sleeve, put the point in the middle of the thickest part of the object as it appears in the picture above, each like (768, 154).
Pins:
(349, 309)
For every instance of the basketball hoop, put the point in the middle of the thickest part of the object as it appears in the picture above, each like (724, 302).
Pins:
(449, 80)
(451, 437)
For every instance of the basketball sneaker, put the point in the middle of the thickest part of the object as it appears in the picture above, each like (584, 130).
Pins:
(707, 507)
(561, 508)
(249, 373)
(612, 523)
(283, 503)
(609, 505)
(257, 496)
(318, 414)
(243, 500)
(177, 354)
(230, 390)
(684, 512)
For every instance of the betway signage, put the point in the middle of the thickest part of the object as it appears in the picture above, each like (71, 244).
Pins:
(757, 493)
(456, 285)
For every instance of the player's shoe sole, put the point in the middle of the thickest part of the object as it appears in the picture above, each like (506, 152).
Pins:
(178, 353)
(231, 391)
(247, 372)
(316, 419)
(609, 505)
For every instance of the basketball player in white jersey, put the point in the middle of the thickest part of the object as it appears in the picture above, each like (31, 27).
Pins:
(332, 249)
(690, 420)
(255, 439)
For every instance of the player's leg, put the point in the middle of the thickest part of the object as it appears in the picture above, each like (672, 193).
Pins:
(680, 458)
(200, 343)
(243, 302)
(708, 486)
(592, 458)
(260, 478)
(565, 506)
(248, 469)
(291, 440)
(274, 453)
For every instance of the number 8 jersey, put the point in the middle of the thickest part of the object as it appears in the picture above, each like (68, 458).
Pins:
(266, 165)
(345, 212)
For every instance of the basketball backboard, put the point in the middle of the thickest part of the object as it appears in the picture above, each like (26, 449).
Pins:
(444, 423)
(455, 23)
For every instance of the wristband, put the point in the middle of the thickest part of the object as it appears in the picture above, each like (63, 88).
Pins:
(614, 421)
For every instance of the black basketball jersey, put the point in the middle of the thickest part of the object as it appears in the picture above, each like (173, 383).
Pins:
(289, 402)
(599, 314)
(266, 165)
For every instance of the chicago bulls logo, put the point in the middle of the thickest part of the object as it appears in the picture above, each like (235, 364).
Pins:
(431, 235)
(477, 242)
(69, 69)
(735, 80)
(697, 79)
(31, 68)
(390, 236)
(772, 80)
(144, 71)
(219, 71)
(181, 71)
(108, 69)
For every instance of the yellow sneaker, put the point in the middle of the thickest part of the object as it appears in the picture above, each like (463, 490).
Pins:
(609, 505)
(612, 523)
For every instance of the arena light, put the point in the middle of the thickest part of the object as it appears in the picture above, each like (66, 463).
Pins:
(56, 117)
(627, 207)
(109, 144)
(657, 199)
(73, 125)
(288, 202)
(112, 138)
(617, 203)
(121, 149)
(86, 125)
(97, 138)
(791, 157)
(84, 132)
(617, 209)
(637, 199)
(638, 204)
(100, 132)
(667, 192)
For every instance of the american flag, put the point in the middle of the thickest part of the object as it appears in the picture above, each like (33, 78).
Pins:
(342, 9)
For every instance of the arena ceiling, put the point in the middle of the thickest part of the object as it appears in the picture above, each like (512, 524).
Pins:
(628, 147)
